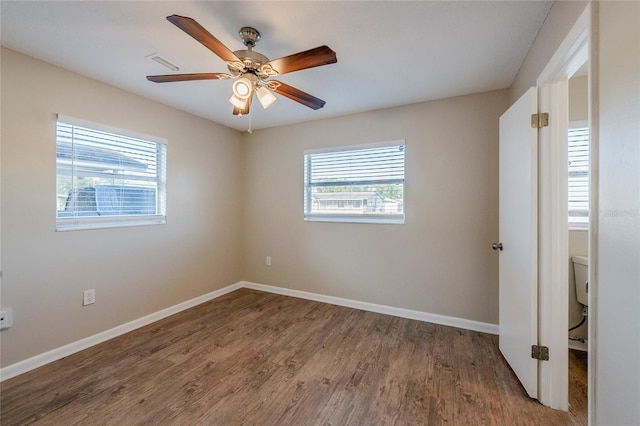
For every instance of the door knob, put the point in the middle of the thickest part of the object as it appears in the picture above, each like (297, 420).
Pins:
(496, 246)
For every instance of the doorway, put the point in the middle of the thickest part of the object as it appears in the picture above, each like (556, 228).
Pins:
(553, 83)
(578, 238)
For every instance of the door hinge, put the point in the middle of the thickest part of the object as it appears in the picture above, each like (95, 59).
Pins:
(540, 352)
(539, 120)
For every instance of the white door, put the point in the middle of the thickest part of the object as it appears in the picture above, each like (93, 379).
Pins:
(519, 238)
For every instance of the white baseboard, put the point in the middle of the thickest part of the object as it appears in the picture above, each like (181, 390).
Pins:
(381, 309)
(77, 346)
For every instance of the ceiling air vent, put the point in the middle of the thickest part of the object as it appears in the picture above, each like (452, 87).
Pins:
(162, 60)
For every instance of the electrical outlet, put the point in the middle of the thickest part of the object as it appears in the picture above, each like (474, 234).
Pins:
(89, 297)
(268, 261)
(6, 319)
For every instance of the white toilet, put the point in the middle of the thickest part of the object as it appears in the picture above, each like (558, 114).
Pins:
(581, 282)
(581, 278)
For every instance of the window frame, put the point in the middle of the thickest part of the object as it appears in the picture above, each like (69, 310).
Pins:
(81, 222)
(572, 225)
(396, 218)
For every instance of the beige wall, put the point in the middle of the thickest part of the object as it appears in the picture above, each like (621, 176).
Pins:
(439, 261)
(135, 271)
(617, 372)
(579, 98)
(559, 21)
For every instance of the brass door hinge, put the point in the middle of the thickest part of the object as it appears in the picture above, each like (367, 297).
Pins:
(540, 352)
(539, 120)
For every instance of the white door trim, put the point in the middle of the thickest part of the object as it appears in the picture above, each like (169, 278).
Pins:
(594, 209)
(553, 245)
(553, 232)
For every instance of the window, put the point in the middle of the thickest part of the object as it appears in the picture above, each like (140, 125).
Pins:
(108, 177)
(578, 176)
(362, 183)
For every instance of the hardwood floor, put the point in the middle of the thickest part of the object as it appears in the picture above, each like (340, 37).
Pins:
(258, 358)
(578, 381)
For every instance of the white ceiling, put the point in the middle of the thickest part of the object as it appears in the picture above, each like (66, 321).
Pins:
(389, 53)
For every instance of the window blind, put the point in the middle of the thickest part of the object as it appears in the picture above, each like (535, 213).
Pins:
(107, 178)
(578, 177)
(364, 182)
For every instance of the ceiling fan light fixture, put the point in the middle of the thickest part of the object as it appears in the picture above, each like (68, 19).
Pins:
(242, 88)
(238, 102)
(265, 97)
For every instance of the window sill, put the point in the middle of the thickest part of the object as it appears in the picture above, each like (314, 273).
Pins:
(77, 224)
(384, 220)
(578, 228)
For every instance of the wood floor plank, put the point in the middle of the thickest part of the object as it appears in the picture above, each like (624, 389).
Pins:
(262, 359)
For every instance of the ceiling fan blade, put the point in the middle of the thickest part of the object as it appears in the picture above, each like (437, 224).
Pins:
(198, 32)
(168, 78)
(298, 95)
(308, 59)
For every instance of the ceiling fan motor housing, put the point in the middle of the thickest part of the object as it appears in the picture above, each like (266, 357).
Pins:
(250, 59)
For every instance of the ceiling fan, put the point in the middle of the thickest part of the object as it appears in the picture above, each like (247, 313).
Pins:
(252, 70)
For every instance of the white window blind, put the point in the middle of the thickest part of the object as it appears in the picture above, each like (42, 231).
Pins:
(578, 177)
(355, 184)
(108, 177)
